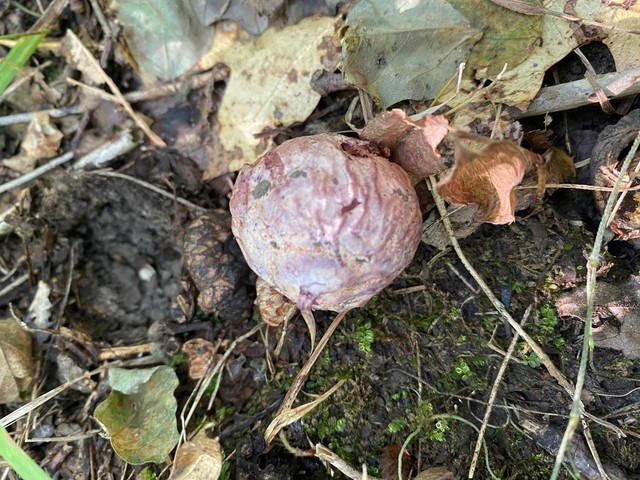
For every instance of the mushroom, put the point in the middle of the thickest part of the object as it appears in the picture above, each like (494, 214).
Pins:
(326, 220)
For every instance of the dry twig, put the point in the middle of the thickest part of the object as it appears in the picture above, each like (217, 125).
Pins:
(493, 395)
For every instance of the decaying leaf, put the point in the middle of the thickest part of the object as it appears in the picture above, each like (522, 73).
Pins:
(15, 360)
(200, 354)
(14, 205)
(435, 473)
(41, 140)
(253, 16)
(140, 413)
(559, 169)
(616, 322)
(413, 145)
(397, 52)
(606, 158)
(508, 37)
(76, 54)
(198, 459)
(269, 85)
(388, 462)
(608, 22)
(167, 38)
(488, 179)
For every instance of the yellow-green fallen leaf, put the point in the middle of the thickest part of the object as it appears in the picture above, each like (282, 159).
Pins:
(269, 85)
(140, 413)
(409, 50)
(612, 24)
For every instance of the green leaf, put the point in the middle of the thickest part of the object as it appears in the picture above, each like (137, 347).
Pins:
(396, 53)
(17, 57)
(140, 413)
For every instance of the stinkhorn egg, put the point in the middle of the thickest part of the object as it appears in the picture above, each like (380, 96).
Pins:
(326, 220)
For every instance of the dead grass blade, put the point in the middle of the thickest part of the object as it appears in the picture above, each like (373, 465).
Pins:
(291, 415)
(326, 455)
(296, 386)
(82, 56)
(44, 398)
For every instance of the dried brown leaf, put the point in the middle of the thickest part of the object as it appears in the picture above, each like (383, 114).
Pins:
(413, 145)
(435, 473)
(389, 462)
(488, 179)
(15, 360)
(41, 140)
(559, 169)
(269, 86)
(616, 320)
(198, 459)
(200, 354)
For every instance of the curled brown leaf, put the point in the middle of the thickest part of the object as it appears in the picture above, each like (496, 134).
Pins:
(488, 178)
(413, 145)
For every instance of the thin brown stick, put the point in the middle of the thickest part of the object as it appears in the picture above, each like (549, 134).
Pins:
(35, 173)
(51, 14)
(149, 186)
(578, 186)
(494, 394)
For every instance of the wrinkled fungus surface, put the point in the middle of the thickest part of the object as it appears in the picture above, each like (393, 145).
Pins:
(327, 220)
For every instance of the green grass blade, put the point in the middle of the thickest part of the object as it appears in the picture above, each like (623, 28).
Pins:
(17, 57)
(19, 460)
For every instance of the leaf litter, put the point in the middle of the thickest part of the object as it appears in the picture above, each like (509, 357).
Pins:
(495, 180)
(285, 94)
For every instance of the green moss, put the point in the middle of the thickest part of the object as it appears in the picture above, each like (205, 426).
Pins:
(147, 474)
(177, 359)
(397, 425)
(364, 337)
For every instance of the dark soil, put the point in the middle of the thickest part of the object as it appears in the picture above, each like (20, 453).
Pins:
(419, 359)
